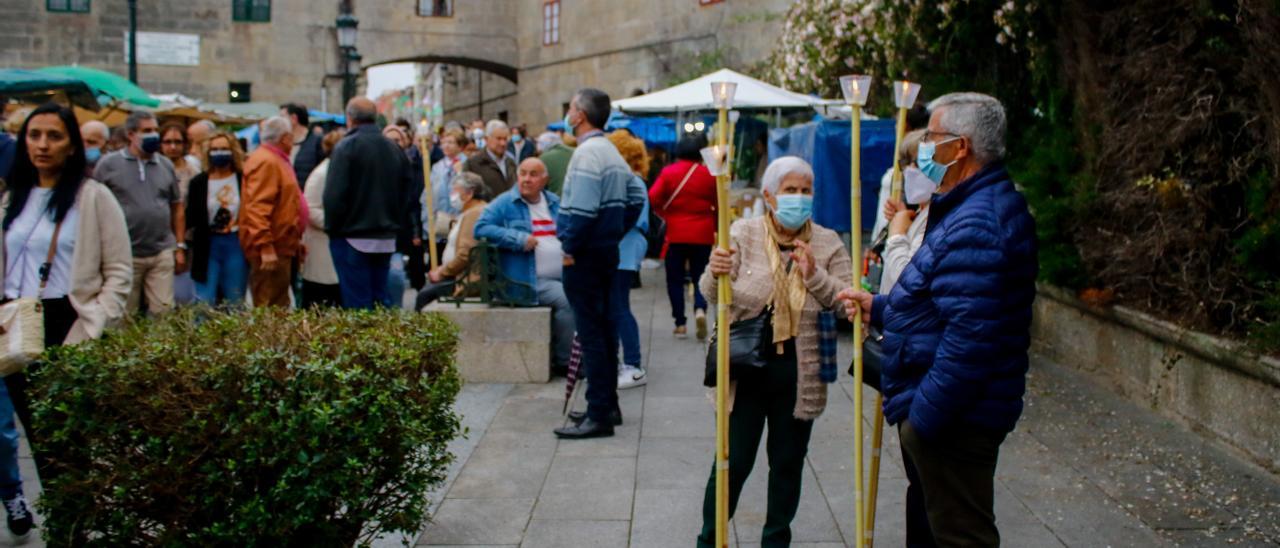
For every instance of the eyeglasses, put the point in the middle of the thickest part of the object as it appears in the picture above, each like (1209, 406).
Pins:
(931, 136)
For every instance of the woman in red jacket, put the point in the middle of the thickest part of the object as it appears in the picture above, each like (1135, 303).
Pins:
(684, 196)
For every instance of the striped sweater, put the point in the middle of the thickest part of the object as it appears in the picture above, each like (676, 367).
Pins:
(602, 199)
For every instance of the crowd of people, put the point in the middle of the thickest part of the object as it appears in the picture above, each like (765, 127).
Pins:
(100, 224)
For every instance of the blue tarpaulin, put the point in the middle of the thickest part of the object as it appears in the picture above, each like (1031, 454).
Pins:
(825, 145)
(655, 131)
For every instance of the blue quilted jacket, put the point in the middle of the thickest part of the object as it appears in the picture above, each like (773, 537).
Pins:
(957, 325)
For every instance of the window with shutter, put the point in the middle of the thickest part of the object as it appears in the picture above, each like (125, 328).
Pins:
(252, 11)
(67, 6)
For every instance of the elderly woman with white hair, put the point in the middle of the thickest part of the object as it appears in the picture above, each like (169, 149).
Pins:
(783, 266)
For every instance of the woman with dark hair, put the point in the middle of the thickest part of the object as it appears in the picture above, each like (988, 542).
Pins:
(174, 145)
(685, 197)
(51, 206)
(218, 265)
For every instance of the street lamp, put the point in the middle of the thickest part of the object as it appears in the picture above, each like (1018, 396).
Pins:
(347, 24)
(353, 59)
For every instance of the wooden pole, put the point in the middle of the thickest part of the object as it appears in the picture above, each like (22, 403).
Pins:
(855, 209)
(430, 232)
(723, 296)
(877, 439)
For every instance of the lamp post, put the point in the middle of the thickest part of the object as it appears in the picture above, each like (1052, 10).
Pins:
(855, 88)
(353, 59)
(347, 26)
(133, 41)
(717, 160)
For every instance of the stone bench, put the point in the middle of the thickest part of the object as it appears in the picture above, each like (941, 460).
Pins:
(500, 344)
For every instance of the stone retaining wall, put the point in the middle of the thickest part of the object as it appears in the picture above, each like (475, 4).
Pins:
(1215, 387)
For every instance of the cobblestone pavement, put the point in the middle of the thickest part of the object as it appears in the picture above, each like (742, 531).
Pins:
(1083, 468)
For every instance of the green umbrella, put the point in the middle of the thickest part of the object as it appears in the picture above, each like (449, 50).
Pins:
(108, 86)
(32, 86)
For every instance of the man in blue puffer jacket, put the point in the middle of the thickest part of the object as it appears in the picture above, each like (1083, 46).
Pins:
(957, 325)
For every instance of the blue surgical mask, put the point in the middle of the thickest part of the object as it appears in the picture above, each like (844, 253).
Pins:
(924, 160)
(567, 126)
(150, 142)
(794, 210)
(516, 138)
(91, 154)
(219, 158)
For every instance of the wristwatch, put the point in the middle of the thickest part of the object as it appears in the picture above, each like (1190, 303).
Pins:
(182, 246)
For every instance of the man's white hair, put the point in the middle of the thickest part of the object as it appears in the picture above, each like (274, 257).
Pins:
(494, 125)
(782, 167)
(96, 126)
(548, 140)
(977, 116)
(274, 128)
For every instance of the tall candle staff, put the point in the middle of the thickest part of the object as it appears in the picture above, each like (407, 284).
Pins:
(717, 160)
(430, 232)
(855, 88)
(904, 97)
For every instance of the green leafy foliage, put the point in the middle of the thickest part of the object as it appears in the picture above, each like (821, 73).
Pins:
(1144, 134)
(261, 428)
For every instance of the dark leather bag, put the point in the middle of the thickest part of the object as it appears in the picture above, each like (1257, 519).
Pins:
(745, 339)
(872, 359)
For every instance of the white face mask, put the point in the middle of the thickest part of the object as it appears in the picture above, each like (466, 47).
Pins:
(455, 201)
(916, 187)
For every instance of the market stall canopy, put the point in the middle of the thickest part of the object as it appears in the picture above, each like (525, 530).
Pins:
(696, 95)
(259, 110)
(37, 87)
(108, 87)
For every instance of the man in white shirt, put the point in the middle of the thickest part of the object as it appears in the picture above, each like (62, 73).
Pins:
(521, 223)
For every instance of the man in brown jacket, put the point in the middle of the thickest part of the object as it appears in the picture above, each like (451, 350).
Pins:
(269, 220)
(494, 164)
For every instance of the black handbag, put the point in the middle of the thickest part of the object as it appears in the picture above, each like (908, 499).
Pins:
(872, 359)
(745, 340)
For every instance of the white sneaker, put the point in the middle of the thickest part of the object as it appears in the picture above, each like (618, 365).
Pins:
(631, 377)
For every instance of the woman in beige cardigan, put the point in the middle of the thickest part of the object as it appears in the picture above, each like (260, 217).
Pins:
(85, 286)
(782, 262)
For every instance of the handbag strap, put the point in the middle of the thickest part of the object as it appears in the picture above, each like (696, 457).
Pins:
(47, 268)
(680, 186)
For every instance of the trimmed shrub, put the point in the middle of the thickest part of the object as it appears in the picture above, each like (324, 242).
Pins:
(248, 428)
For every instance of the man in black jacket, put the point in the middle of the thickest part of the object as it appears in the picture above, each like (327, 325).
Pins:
(306, 153)
(366, 196)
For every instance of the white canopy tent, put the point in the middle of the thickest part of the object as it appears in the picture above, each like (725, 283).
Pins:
(696, 95)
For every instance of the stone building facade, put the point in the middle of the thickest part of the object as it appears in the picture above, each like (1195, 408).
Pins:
(502, 46)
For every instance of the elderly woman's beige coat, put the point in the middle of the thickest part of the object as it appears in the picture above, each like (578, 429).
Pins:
(101, 265)
(753, 288)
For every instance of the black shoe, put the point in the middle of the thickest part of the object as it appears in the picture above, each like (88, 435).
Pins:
(20, 520)
(576, 417)
(586, 429)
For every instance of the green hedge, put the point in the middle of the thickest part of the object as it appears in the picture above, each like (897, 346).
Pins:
(262, 428)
